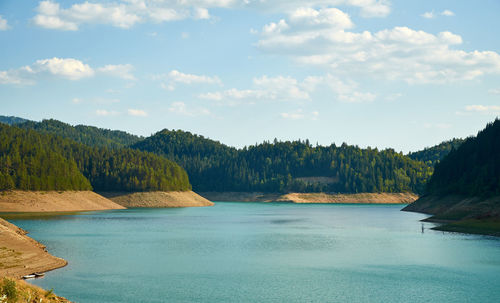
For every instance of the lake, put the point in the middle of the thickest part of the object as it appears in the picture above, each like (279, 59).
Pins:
(265, 252)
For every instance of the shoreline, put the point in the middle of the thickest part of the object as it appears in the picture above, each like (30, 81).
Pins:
(22, 255)
(360, 198)
(463, 214)
(53, 201)
(158, 199)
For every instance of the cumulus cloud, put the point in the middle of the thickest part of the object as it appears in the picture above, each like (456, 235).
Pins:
(447, 13)
(137, 112)
(289, 89)
(400, 53)
(127, 13)
(484, 109)
(265, 88)
(428, 15)
(66, 68)
(494, 91)
(181, 108)
(174, 77)
(106, 113)
(123, 71)
(3, 24)
(300, 115)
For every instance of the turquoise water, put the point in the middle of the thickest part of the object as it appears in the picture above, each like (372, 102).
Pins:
(259, 252)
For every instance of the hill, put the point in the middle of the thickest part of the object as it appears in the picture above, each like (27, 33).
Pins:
(88, 135)
(287, 166)
(434, 154)
(11, 120)
(465, 186)
(34, 161)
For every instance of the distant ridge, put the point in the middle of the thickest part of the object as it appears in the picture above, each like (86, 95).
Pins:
(11, 120)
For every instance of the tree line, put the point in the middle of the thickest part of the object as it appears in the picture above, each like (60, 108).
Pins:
(281, 166)
(473, 169)
(30, 160)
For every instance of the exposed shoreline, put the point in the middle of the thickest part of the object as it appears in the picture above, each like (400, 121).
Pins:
(362, 198)
(158, 199)
(54, 201)
(456, 213)
(21, 255)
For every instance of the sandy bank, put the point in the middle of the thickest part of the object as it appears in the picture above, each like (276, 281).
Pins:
(381, 198)
(20, 255)
(53, 201)
(158, 199)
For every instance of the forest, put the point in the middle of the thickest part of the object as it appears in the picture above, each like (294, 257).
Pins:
(432, 155)
(288, 166)
(473, 169)
(31, 160)
(119, 161)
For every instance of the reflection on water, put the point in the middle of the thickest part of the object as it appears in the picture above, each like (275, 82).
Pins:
(264, 252)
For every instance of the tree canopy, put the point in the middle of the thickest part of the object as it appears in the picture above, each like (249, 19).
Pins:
(36, 161)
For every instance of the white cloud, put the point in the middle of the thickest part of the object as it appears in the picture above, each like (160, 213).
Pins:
(265, 88)
(123, 71)
(106, 113)
(300, 115)
(484, 109)
(494, 91)
(137, 112)
(175, 77)
(3, 24)
(287, 89)
(400, 53)
(428, 15)
(66, 68)
(440, 126)
(127, 13)
(181, 108)
(77, 100)
(447, 13)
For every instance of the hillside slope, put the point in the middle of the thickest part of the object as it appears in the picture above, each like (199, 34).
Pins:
(281, 167)
(465, 187)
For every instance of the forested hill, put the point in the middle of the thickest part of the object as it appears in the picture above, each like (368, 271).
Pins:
(288, 166)
(89, 135)
(434, 154)
(11, 120)
(472, 169)
(34, 161)
(30, 161)
(465, 187)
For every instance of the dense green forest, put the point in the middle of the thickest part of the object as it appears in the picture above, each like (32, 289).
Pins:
(11, 120)
(31, 161)
(89, 135)
(473, 168)
(287, 166)
(37, 161)
(434, 154)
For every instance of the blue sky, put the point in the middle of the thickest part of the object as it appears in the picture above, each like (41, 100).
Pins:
(400, 74)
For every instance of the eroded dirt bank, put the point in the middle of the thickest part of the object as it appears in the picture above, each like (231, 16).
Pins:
(382, 198)
(158, 199)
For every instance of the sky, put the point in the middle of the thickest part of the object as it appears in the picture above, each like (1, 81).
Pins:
(380, 73)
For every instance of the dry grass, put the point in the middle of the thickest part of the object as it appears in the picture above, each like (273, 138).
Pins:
(14, 291)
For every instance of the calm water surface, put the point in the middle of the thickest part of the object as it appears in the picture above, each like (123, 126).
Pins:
(260, 252)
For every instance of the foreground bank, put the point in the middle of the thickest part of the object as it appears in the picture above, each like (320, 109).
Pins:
(20, 255)
(362, 198)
